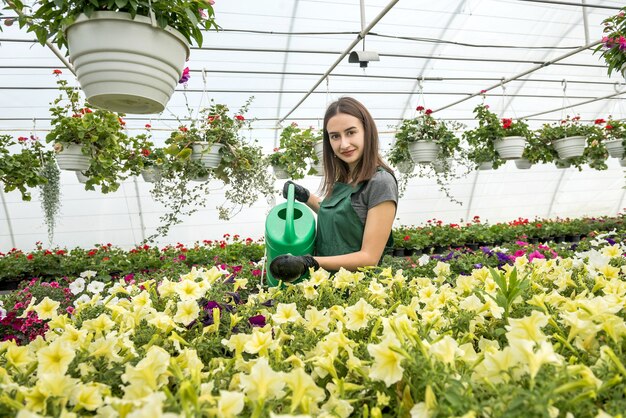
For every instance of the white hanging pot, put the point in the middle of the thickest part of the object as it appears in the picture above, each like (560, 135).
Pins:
(615, 148)
(523, 164)
(280, 172)
(510, 147)
(439, 166)
(423, 151)
(126, 65)
(151, 174)
(319, 151)
(405, 167)
(562, 164)
(485, 166)
(81, 177)
(208, 154)
(570, 147)
(72, 158)
(622, 162)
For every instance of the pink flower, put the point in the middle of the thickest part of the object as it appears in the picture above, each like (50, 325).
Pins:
(519, 253)
(535, 254)
(185, 76)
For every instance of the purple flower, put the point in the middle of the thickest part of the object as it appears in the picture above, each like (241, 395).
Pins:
(210, 305)
(185, 76)
(610, 241)
(257, 321)
(478, 266)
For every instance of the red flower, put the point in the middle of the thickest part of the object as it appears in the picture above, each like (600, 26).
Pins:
(145, 152)
(609, 127)
(148, 126)
(57, 72)
(92, 253)
(105, 258)
(407, 237)
(599, 121)
(29, 256)
(240, 118)
(22, 139)
(428, 111)
(183, 129)
(419, 108)
(506, 123)
(483, 91)
(60, 252)
(121, 121)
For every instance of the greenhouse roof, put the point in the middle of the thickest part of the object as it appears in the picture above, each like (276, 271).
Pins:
(533, 59)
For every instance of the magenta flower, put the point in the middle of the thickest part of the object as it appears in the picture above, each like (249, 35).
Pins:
(622, 43)
(535, 254)
(185, 76)
(519, 253)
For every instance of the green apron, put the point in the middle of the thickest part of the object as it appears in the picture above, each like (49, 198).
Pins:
(339, 228)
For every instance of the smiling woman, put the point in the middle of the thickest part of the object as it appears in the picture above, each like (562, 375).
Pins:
(360, 196)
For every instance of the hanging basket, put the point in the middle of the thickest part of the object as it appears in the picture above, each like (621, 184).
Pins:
(523, 164)
(280, 173)
(72, 158)
(439, 166)
(405, 167)
(126, 65)
(485, 166)
(81, 177)
(423, 151)
(510, 147)
(615, 148)
(207, 154)
(151, 174)
(570, 147)
(562, 164)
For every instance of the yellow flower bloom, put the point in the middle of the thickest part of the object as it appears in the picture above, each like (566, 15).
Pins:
(319, 276)
(106, 347)
(442, 269)
(286, 312)
(35, 400)
(609, 271)
(304, 391)
(87, 396)
(230, 404)
(55, 358)
(100, 325)
(260, 341)
(308, 290)
(47, 308)
(316, 319)
(263, 383)
(18, 356)
(151, 371)
(186, 311)
(387, 363)
(54, 384)
(446, 350)
(167, 288)
(611, 251)
(357, 315)
(527, 328)
(211, 275)
(188, 290)
(236, 342)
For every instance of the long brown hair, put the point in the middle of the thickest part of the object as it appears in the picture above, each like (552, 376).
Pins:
(336, 169)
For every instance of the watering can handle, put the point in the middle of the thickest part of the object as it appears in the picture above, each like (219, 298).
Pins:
(290, 233)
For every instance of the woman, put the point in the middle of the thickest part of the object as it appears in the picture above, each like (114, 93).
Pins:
(355, 217)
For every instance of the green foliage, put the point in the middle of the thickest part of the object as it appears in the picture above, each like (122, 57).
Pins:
(21, 170)
(50, 196)
(49, 18)
(296, 147)
(611, 47)
(481, 139)
(510, 287)
(113, 156)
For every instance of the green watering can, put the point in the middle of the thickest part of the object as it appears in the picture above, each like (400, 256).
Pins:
(289, 229)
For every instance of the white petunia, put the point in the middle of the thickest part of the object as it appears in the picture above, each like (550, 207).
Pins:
(82, 299)
(95, 287)
(77, 286)
(88, 274)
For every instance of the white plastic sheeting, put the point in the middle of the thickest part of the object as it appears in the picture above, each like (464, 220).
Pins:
(277, 51)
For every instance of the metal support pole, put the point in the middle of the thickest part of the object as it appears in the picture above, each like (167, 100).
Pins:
(141, 223)
(6, 210)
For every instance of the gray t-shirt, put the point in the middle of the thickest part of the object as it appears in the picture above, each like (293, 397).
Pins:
(380, 188)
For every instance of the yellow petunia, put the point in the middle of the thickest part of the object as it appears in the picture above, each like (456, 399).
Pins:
(188, 290)
(18, 356)
(186, 311)
(87, 396)
(47, 308)
(357, 315)
(230, 404)
(387, 363)
(100, 325)
(286, 312)
(304, 391)
(55, 358)
(263, 383)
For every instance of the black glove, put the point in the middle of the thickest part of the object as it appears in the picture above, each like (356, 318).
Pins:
(290, 267)
(300, 193)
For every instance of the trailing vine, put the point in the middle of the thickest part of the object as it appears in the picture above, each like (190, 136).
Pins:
(50, 195)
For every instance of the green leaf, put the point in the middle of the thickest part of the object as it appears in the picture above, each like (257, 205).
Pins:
(121, 3)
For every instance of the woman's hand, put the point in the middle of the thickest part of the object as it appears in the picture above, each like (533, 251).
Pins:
(289, 267)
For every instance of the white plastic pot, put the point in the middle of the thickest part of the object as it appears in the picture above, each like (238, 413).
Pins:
(423, 151)
(208, 154)
(280, 173)
(72, 158)
(81, 177)
(510, 147)
(615, 148)
(523, 164)
(485, 166)
(570, 147)
(151, 174)
(126, 65)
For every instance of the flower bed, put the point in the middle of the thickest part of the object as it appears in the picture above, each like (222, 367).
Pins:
(535, 338)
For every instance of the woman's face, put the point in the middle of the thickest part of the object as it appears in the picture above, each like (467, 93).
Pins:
(346, 136)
